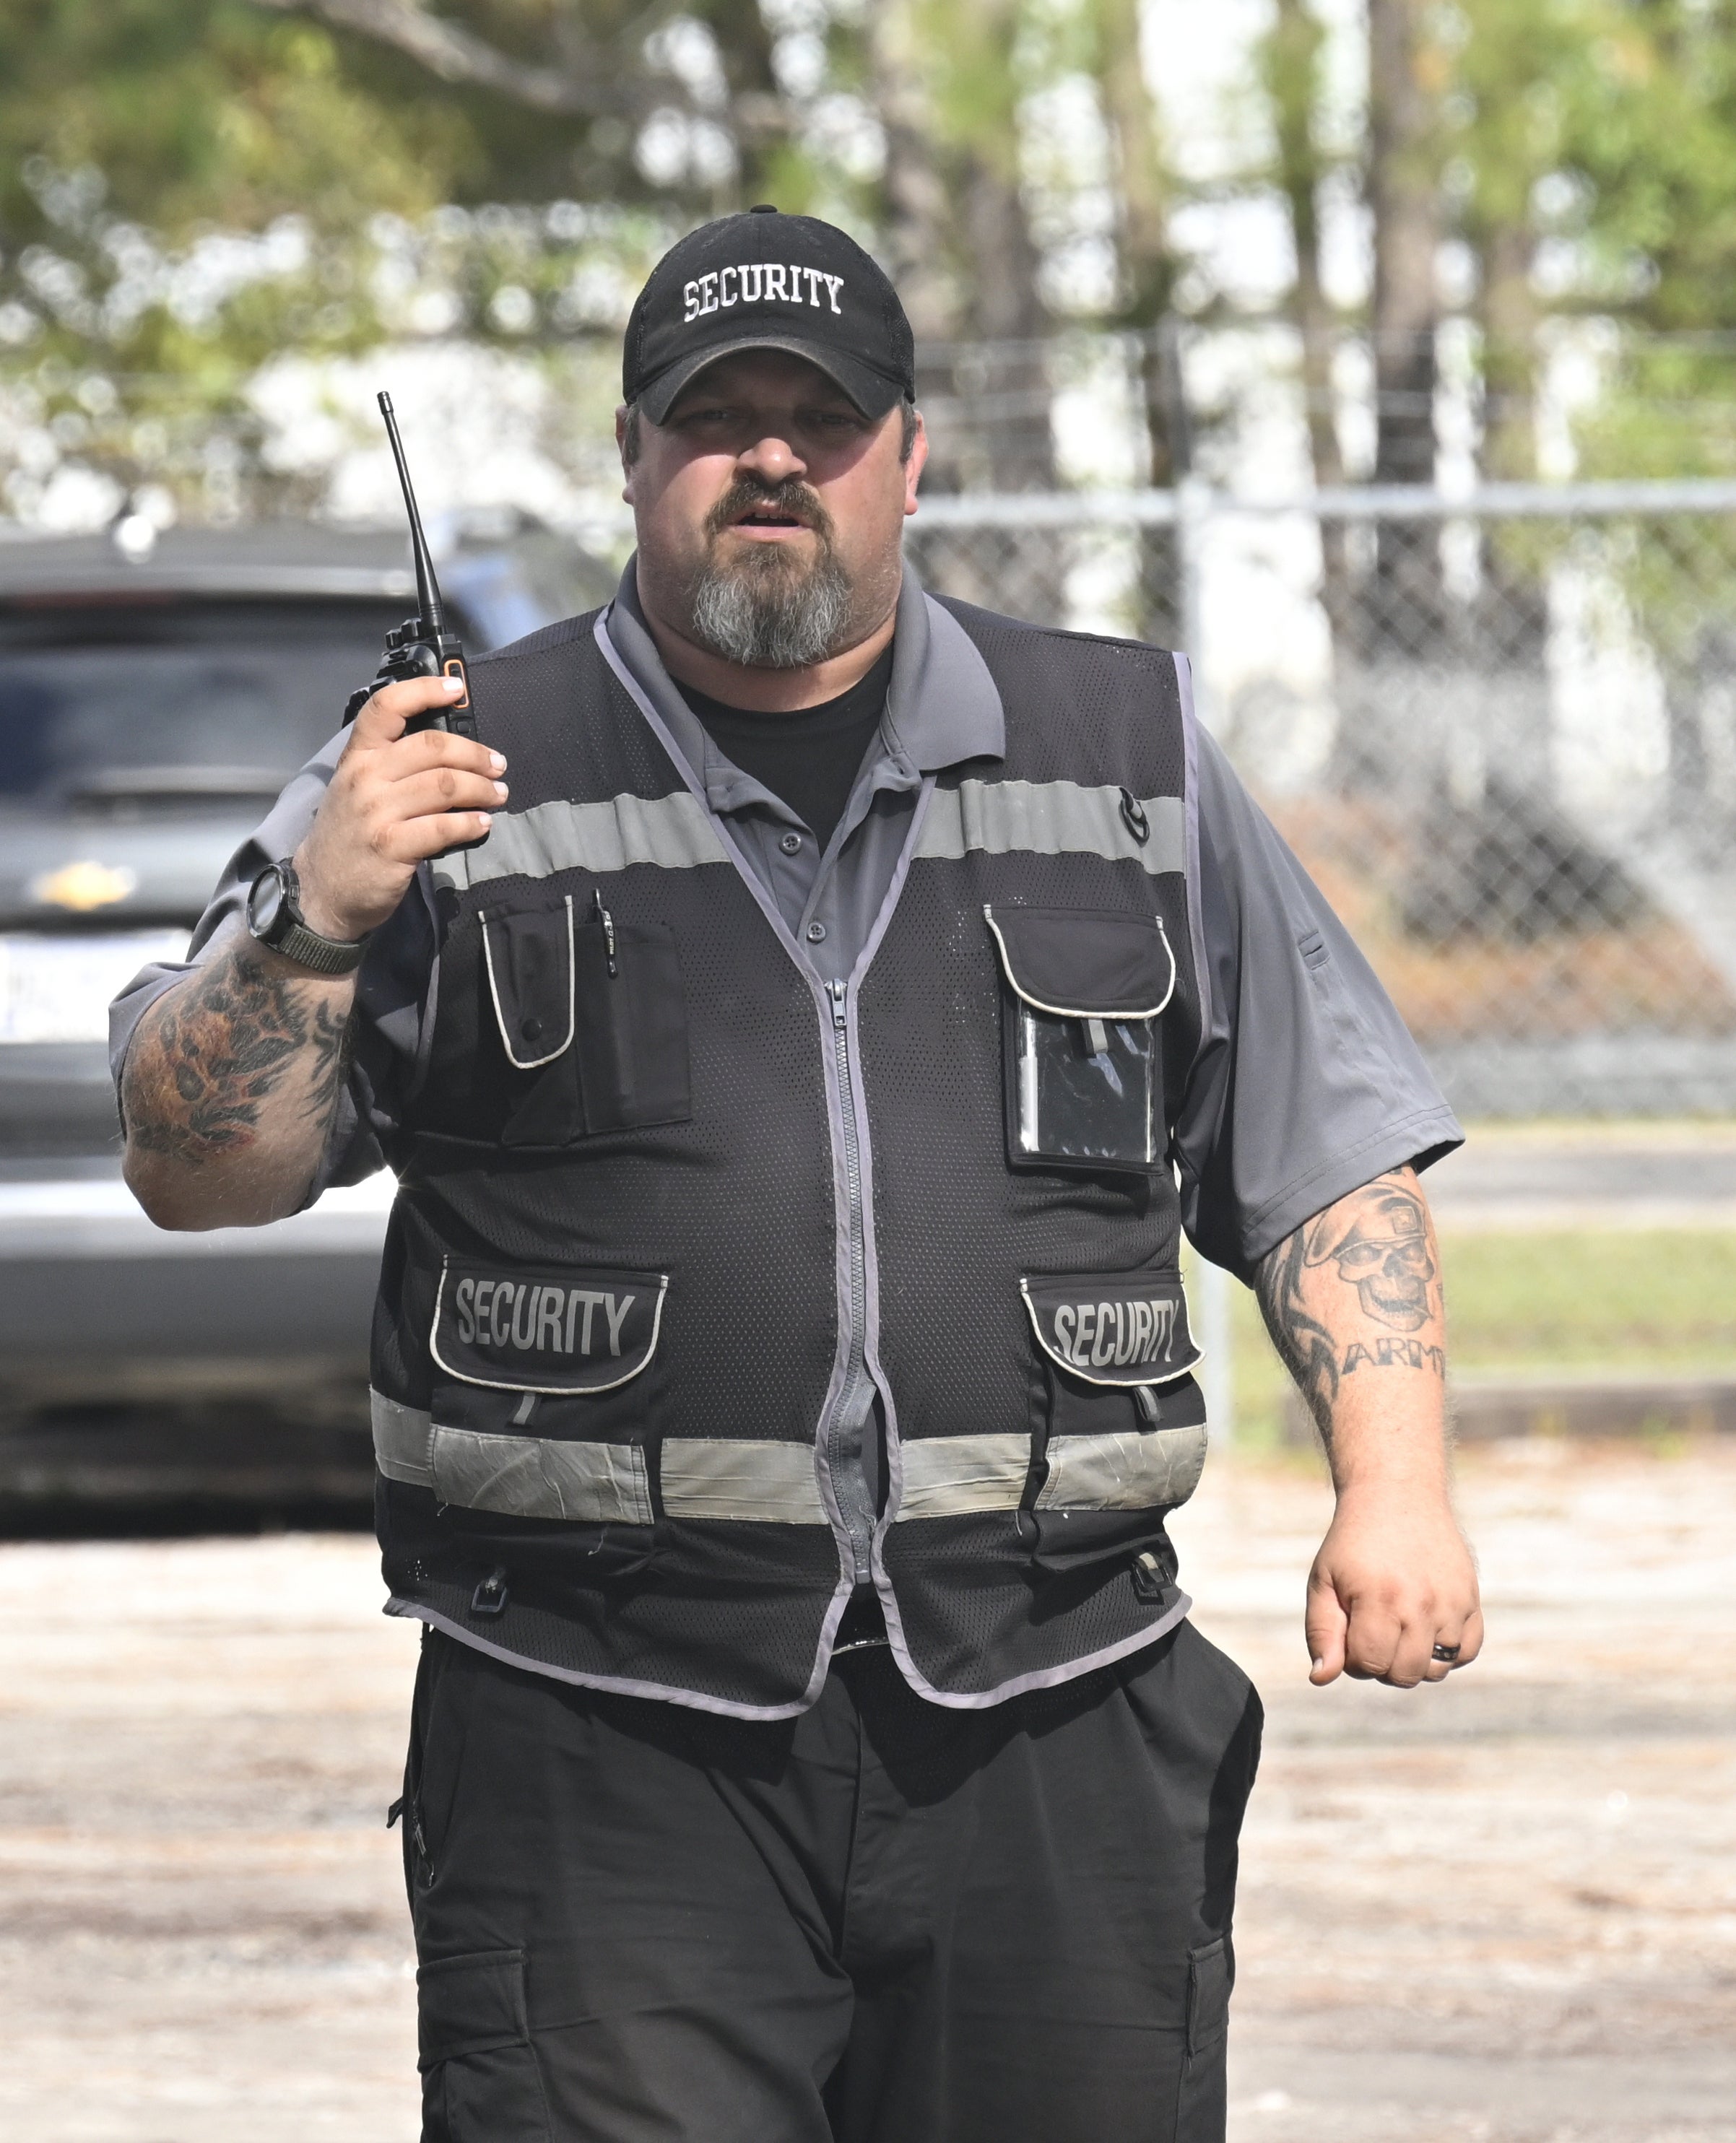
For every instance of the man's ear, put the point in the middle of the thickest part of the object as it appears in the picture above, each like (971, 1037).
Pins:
(628, 444)
(915, 462)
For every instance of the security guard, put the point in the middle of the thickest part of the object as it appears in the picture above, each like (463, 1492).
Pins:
(797, 1082)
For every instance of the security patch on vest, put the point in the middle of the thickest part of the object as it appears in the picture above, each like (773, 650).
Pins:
(525, 1328)
(1113, 1328)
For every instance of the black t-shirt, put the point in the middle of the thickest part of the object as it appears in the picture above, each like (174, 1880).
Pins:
(809, 759)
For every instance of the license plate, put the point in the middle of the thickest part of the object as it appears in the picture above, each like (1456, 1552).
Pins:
(55, 988)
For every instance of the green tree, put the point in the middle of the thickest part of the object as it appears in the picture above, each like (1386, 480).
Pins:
(129, 131)
(1648, 152)
(1146, 195)
(949, 79)
(1584, 151)
(1408, 76)
(208, 112)
(554, 95)
(186, 190)
(1290, 62)
(1399, 172)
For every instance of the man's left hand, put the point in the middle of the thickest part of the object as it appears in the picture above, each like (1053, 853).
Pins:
(1393, 1582)
(1352, 1301)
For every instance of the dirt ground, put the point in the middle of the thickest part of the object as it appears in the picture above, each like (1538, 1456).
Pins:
(1504, 1909)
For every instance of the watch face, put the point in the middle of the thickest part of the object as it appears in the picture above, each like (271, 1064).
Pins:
(265, 905)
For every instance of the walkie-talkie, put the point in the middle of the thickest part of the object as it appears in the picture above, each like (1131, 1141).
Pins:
(421, 647)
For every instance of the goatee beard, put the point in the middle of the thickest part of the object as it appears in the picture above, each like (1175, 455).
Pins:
(767, 611)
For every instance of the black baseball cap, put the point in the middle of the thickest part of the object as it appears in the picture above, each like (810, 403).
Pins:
(763, 280)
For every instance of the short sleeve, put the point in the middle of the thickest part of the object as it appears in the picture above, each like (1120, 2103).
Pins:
(1306, 1083)
(391, 984)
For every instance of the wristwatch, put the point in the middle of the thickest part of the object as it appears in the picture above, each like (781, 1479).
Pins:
(274, 916)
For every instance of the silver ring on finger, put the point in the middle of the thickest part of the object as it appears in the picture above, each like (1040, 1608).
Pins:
(1446, 1654)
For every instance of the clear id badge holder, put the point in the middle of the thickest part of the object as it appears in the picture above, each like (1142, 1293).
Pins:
(1083, 1066)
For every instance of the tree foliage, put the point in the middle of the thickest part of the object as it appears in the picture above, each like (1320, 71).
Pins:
(187, 188)
(1582, 155)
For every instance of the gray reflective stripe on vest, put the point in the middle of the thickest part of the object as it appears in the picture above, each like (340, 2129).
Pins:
(1049, 819)
(524, 1476)
(535, 1477)
(761, 1483)
(672, 833)
(402, 1441)
(766, 1483)
(956, 1476)
(1123, 1470)
(950, 1477)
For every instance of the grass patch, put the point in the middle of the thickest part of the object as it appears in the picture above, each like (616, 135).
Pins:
(1663, 1299)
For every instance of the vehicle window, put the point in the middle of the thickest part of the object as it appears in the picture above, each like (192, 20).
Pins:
(176, 697)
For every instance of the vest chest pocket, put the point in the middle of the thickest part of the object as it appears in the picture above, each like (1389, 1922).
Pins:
(1083, 1066)
(592, 1019)
(548, 1391)
(1123, 1434)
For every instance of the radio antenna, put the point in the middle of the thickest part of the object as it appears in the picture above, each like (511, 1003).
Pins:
(428, 588)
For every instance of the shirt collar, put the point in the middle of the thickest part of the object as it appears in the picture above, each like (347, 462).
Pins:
(942, 706)
(726, 787)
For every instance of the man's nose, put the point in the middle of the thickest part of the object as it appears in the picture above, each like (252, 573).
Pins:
(772, 459)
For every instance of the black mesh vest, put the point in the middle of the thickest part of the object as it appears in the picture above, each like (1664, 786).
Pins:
(671, 1206)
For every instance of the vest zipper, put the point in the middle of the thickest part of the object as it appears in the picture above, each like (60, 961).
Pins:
(850, 1397)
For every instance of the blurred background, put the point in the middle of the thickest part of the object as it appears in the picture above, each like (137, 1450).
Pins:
(1382, 353)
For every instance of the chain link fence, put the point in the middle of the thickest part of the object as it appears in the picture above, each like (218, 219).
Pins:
(1499, 729)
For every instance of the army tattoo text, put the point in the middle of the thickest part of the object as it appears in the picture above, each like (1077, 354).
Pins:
(1335, 1293)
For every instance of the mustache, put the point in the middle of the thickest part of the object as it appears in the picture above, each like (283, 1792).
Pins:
(791, 497)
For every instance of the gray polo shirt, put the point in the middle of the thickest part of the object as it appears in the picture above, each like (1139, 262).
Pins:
(1305, 1085)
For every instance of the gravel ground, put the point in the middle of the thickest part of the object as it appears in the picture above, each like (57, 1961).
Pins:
(1504, 1909)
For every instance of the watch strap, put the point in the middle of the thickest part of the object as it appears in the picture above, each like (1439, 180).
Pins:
(288, 934)
(325, 955)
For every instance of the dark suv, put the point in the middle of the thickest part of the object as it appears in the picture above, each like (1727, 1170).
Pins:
(150, 709)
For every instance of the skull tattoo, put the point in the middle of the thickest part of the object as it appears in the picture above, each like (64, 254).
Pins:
(1384, 1255)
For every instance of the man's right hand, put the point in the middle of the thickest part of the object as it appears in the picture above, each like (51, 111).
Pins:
(394, 801)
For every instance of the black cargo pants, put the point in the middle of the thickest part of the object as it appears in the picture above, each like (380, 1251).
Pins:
(883, 1921)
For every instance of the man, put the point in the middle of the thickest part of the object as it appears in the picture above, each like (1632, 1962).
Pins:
(797, 1080)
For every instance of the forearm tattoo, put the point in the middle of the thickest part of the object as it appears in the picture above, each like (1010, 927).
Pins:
(1358, 1287)
(218, 1048)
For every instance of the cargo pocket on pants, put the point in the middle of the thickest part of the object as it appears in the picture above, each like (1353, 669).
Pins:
(480, 2083)
(1201, 2102)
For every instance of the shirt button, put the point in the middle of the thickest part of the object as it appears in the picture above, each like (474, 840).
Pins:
(817, 933)
(791, 845)
(530, 1028)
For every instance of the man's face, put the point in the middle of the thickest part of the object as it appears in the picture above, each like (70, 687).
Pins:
(770, 512)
